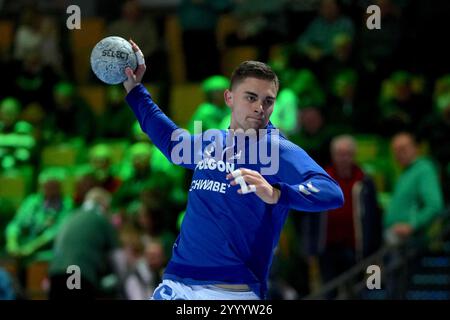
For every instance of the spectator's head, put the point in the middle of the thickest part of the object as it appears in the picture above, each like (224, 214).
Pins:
(251, 97)
(9, 112)
(63, 95)
(213, 87)
(344, 84)
(100, 158)
(307, 88)
(402, 81)
(405, 148)
(50, 180)
(330, 9)
(34, 114)
(342, 46)
(98, 198)
(140, 155)
(311, 120)
(343, 151)
(154, 253)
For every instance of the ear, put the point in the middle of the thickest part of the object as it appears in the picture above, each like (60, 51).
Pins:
(228, 97)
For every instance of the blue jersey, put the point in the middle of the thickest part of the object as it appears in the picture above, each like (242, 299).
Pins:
(227, 237)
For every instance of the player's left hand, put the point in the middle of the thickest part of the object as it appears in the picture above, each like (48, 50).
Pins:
(256, 183)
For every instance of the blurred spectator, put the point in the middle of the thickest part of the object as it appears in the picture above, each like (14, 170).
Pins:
(71, 117)
(10, 109)
(141, 177)
(314, 134)
(117, 117)
(146, 273)
(86, 240)
(51, 45)
(260, 24)
(402, 103)
(168, 176)
(133, 24)
(84, 181)
(306, 86)
(32, 81)
(417, 196)
(141, 28)
(100, 158)
(39, 217)
(352, 232)
(317, 41)
(347, 107)
(341, 58)
(379, 49)
(212, 112)
(153, 222)
(30, 234)
(198, 19)
(28, 35)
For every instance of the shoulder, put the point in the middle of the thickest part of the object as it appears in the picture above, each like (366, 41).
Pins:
(425, 165)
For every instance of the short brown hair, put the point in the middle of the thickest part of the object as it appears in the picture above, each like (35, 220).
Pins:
(253, 69)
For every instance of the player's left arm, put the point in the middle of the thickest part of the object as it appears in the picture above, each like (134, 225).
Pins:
(302, 184)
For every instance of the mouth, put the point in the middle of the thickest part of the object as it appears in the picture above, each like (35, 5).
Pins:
(255, 119)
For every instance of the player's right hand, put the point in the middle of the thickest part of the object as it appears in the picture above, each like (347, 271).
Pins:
(135, 78)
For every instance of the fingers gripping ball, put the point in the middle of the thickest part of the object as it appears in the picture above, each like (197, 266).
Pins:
(110, 57)
(237, 175)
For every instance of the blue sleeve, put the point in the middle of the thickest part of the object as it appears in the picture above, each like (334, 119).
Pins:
(163, 132)
(304, 185)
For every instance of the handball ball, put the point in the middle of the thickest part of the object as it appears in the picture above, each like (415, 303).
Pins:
(110, 57)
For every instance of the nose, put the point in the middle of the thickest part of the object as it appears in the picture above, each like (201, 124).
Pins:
(258, 108)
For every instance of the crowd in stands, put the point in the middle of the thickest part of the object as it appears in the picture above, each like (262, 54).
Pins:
(80, 183)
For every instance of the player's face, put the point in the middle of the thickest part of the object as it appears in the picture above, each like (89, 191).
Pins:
(251, 103)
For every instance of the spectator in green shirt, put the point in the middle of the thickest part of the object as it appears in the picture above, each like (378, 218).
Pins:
(38, 219)
(317, 41)
(87, 240)
(417, 197)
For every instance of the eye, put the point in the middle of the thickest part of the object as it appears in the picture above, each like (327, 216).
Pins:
(251, 98)
(268, 103)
